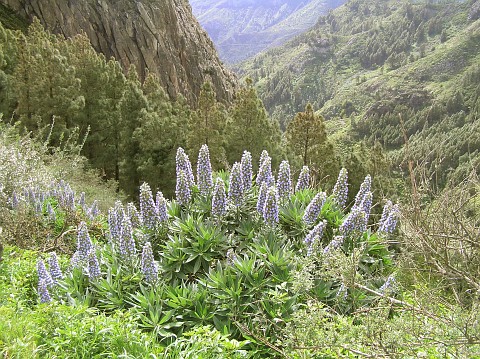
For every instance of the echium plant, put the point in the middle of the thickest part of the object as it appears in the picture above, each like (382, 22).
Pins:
(262, 195)
(247, 170)
(148, 265)
(204, 171)
(336, 243)
(84, 243)
(284, 181)
(303, 179)
(389, 219)
(314, 236)
(126, 242)
(93, 265)
(44, 282)
(55, 271)
(270, 210)
(115, 218)
(219, 200)
(93, 211)
(183, 164)
(340, 191)
(235, 190)
(265, 171)
(162, 210)
(355, 222)
(367, 204)
(365, 187)
(183, 192)
(148, 209)
(314, 208)
(134, 215)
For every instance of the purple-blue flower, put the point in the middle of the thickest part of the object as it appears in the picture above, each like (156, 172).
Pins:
(55, 271)
(314, 236)
(270, 210)
(126, 241)
(43, 275)
(262, 195)
(365, 187)
(340, 191)
(43, 292)
(219, 200)
(247, 170)
(336, 243)
(84, 243)
(235, 190)
(148, 265)
(389, 219)
(183, 192)
(183, 164)
(204, 171)
(314, 208)
(93, 266)
(148, 209)
(162, 210)
(303, 179)
(284, 181)
(356, 221)
(265, 173)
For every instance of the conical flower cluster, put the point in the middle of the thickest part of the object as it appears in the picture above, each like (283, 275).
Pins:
(270, 210)
(148, 209)
(183, 164)
(235, 191)
(284, 181)
(314, 236)
(149, 267)
(219, 200)
(265, 170)
(314, 208)
(247, 170)
(303, 179)
(162, 210)
(340, 191)
(204, 171)
(389, 219)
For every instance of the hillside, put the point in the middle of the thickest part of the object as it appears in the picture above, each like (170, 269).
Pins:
(241, 29)
(162, 37)
(367, 62)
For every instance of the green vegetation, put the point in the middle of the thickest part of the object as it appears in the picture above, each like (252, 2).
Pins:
(369, 62)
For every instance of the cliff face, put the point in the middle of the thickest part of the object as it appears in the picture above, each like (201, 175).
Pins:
(159, 35)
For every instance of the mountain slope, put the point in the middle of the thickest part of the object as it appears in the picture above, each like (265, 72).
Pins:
(158, 36)
(241, 29)
(368, 62)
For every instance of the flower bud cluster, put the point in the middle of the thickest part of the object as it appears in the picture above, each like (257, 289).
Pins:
(284, 181)
(314, 208)
(303, 179)
(235, 190)
(356, 221)
(162, 210)
(148, 209)
(262, 195)
(55, 271)
(270, 210)
(314, 236)
(219, 200)
(265, 170)
(183, 164)
(389, 219)
(204, 171)
(148, 265)
(247, 170)
(365, 187)
(340, 191)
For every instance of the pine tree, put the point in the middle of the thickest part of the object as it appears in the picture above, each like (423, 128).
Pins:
(250, 129)
(207, 126)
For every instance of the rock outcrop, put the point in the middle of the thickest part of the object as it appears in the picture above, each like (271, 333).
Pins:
(161, 36)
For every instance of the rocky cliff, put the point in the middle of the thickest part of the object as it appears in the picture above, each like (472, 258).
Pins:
(159, 35)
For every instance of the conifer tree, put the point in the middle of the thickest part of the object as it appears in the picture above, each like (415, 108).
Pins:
(132, 105)
(207, 126)
(250, 128)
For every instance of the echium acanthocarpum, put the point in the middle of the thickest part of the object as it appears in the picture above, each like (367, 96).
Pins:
(235, 190)
(183, 164)
(93, 265)
(366, 204)
(134, 215)
(126, 241)
(55, 271)
(314, 236)
(314, 208)
(247, 170)
(219, 200)
(284, 181)
(262, 194)
(340, 191)
(84, 243)
(389, 219)
(43, 274)
(265, 172)
(148, 209)
(365, 187)
(162, 210)
(43, 292)
(356, 221)
(204, 171)
(303, 179)
(270, 210)
(148, 265)
(115, 217)
(183, 192)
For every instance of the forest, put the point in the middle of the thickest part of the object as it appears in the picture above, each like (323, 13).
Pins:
(133, 225)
